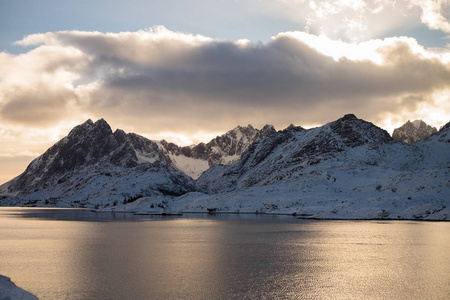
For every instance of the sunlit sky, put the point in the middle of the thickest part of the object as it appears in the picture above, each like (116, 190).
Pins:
(186, 71)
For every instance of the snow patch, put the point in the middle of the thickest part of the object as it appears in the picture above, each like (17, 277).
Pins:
(416, 123)
(144, 159)
(228, 160)
(189, 166)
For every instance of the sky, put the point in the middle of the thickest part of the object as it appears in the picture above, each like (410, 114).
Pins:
(186, 71)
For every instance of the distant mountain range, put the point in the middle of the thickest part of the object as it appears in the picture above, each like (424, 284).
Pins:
(346, 169)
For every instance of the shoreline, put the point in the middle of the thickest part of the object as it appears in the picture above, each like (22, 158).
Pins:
(177, 214)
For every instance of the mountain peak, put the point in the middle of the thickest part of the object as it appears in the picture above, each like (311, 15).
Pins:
(268, 130)
(87, 122)
(120, 136)
(446, 126)
(102, 125)
(88, 127)
(82, 128)
(101, 122)
(411, 132)
(249, 129)
(349, 117)
(356, 132)
(417, 123)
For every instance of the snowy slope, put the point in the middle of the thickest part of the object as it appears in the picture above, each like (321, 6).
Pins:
(107, 185)
(192, 167)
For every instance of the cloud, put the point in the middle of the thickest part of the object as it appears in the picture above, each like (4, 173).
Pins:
(358, 20)
(347, 20)
(36, 88)
(433, 14)
(158, 80)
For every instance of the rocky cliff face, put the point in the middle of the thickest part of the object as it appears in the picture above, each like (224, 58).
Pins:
(412, 132)
(225, 149)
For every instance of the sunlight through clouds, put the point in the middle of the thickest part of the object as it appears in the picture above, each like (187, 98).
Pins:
(433, 13)
(357, 21)
(351, 21)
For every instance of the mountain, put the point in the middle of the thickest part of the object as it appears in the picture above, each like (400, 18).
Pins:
(412, 132)
(93, 166)
(276, 157)
(225, 149)
(346, 169)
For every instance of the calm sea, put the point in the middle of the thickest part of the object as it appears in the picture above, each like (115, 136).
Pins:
(76, 254)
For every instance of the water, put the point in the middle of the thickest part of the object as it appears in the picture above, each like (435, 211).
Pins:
(75, 254)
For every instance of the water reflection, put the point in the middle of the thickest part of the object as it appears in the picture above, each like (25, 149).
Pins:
(385, 260)
(104, 256)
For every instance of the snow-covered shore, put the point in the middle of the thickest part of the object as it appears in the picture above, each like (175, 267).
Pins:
(9, 291)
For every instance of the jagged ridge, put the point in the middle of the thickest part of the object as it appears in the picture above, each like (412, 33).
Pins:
(225, 149)
(412, 132)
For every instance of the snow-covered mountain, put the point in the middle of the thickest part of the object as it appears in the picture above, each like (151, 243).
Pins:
(412, 132)
(346, 169)
(93, 166)
(294, 147)
(225, 149)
